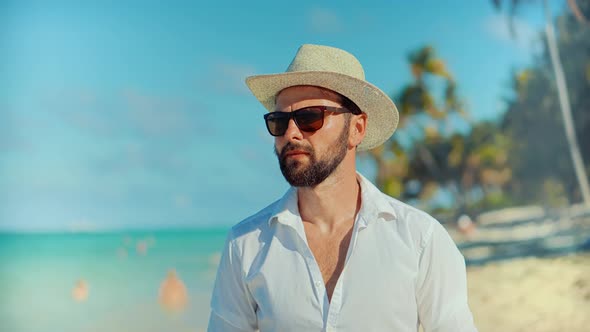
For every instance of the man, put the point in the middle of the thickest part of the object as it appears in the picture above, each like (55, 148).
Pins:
(334, 253)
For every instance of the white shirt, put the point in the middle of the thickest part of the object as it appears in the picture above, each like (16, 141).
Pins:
(401, 269)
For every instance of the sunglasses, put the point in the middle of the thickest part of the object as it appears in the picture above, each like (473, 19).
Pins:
(308, 119)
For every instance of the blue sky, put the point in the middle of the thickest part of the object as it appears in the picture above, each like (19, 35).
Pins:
(118, 116)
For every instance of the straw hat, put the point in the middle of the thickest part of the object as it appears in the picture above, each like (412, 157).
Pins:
(337, 70)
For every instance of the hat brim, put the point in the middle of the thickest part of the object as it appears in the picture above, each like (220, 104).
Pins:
(381, 112)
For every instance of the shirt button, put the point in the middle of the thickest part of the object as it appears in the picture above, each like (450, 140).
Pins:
(318, 284)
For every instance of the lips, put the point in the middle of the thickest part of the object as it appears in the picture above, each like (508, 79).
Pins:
(294, 150)
(295, 153)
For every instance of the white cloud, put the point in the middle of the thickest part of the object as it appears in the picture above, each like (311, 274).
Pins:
(155, 116)
(182, 201)
(323, 20)
(12, 138)
(525, 36)
(229, 77)
(83, 109)
(82, 226)
(130, 112)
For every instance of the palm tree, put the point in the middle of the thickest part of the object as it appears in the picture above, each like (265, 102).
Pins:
(417, 98)
(561, 88)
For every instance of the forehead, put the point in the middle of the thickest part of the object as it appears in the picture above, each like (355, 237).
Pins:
(300, 93)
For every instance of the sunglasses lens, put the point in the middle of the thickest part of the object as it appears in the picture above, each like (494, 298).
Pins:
(309, 119)
(277, 123)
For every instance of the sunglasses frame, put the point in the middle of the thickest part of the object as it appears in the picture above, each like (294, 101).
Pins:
(293, 115)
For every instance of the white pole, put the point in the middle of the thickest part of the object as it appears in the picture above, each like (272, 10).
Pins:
(565, 107)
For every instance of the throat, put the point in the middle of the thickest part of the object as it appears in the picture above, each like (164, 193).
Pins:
(330, 251)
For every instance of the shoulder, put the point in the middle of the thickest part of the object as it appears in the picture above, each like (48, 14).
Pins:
(405, 215)
(418, 225)
(414, 226)
(410, 214)
(254, 225)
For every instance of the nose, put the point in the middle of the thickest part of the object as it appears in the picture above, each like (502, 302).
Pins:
(293, 132)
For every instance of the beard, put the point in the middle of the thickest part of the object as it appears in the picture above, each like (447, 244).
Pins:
(311, 175)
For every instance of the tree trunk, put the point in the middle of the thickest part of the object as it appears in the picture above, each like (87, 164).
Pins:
(565, 107)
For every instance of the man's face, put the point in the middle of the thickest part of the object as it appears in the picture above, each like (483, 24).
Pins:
(306, 159)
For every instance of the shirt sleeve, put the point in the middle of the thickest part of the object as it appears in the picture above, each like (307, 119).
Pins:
(441, 291)
(232, 305)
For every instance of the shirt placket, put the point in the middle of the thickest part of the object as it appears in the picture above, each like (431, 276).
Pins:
(330, 309)
(314, 270)
(336, 303)
(317, 280)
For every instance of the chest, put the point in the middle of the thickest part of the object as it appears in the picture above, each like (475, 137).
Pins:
(330, 254)
(377, 284)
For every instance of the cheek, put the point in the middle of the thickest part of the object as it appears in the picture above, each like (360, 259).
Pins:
(330, 124)
(335, 131)
(280, 143)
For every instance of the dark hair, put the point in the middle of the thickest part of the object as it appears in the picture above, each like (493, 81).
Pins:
(346, 103)
(350, 105)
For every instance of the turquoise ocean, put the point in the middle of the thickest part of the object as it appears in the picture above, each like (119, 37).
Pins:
(122, 271)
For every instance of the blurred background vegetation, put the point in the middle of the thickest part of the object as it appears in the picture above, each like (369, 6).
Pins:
(522, 158)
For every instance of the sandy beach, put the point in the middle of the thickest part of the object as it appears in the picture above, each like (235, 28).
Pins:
(532, 294)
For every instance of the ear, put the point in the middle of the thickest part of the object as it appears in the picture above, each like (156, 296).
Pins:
(358, 129)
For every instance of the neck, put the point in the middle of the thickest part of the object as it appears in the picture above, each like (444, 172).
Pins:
(334, 202)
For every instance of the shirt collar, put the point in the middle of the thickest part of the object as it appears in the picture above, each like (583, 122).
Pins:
(286, 209)
(374, 206)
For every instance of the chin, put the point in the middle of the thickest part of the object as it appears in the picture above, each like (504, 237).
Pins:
(296, 165)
